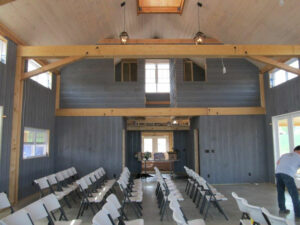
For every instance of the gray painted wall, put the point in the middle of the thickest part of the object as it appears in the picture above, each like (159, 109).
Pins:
(7, 75)
(88, 143)
(281, 99)
(38, 112)
(239, 144)
(183, 149)
(90, 83)
(237, 88)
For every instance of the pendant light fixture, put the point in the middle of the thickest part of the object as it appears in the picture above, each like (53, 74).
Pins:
(124, 35)
(199, 37)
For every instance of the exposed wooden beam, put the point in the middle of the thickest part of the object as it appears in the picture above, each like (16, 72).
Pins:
(3, 2)
(51, 67)
(157, 51)
(276, 63)
(262, 90)
(57, 93)
(268, 68)
(157, 102)
(16, 133)
(157, 128)
(160, 111)
(208, 40)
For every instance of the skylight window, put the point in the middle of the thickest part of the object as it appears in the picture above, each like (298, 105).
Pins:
(278, 76)
(44, 79)
(3, 49)
(157, 74)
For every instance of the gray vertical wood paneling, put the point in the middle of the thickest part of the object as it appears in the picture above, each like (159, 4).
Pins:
(89, 143)
(281, 99)
(133, 145)
(239, 145)
(38, 112)
(7, 78)
(238, 87)
(90, 83)
(182, 148)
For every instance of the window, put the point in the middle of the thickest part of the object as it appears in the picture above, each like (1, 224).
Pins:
(157, 76)
(3, 49)
(278, 76)
(44, 79)
(128, 71)
(36, 143)
(1, 122)
(193, 72)
(157, 142)
(286, 133)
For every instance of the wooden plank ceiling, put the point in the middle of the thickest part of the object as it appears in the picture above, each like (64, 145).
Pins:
(70, 22)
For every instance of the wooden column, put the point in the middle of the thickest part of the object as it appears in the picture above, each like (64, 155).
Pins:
(57, 94)
(262, 90)
(16, 132)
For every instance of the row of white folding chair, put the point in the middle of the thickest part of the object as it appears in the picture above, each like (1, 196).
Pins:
(259, 215)
(39, 211)
(4, 202)
(164, 188)
(179, 216)
(132, 192)
(110, 214)
(203, 193)
(94, 187)
(61, 184)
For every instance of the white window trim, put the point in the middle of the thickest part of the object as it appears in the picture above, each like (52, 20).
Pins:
(275, 119)
(158, 61)
(48, 144)
(4, 40)
(38, 66)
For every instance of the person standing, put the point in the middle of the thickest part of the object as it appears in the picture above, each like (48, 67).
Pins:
(286, 169)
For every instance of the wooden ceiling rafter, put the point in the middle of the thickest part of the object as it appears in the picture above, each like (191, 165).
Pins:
(275, 63)
(157, 51)
(3, 2)
(269, 68)
(51, 66)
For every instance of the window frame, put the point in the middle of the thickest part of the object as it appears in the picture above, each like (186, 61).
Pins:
(38, 66)
(192, 71)
(289, 117)
(156, 62)
(35, 143)
(286, 73)
(129, 62)
(5, 43)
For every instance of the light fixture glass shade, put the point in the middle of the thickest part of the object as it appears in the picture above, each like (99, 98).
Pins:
(199, 38)
(124, 37)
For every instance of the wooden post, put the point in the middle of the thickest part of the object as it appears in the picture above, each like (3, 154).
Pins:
(262, 90)
(57, 94)
(16, 133)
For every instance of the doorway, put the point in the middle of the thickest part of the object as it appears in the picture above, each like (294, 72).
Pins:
(286, 133)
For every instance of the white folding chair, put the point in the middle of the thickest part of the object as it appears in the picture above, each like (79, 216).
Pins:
(116, 217)
(20, 217)
(255, 214)
(4, 202)
(101, 218)
(275, 220)
(114, 200)
(241, 205)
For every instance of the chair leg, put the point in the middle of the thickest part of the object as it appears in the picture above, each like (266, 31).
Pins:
(195, 194)
(67, 202)
(163, 211)
(221, 210)
(203, 204)
(208, 204)
(79, 211)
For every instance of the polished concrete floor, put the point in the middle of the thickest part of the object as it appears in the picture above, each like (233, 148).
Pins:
(263, 195)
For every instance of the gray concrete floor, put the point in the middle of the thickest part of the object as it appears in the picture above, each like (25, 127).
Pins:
(263, 195)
